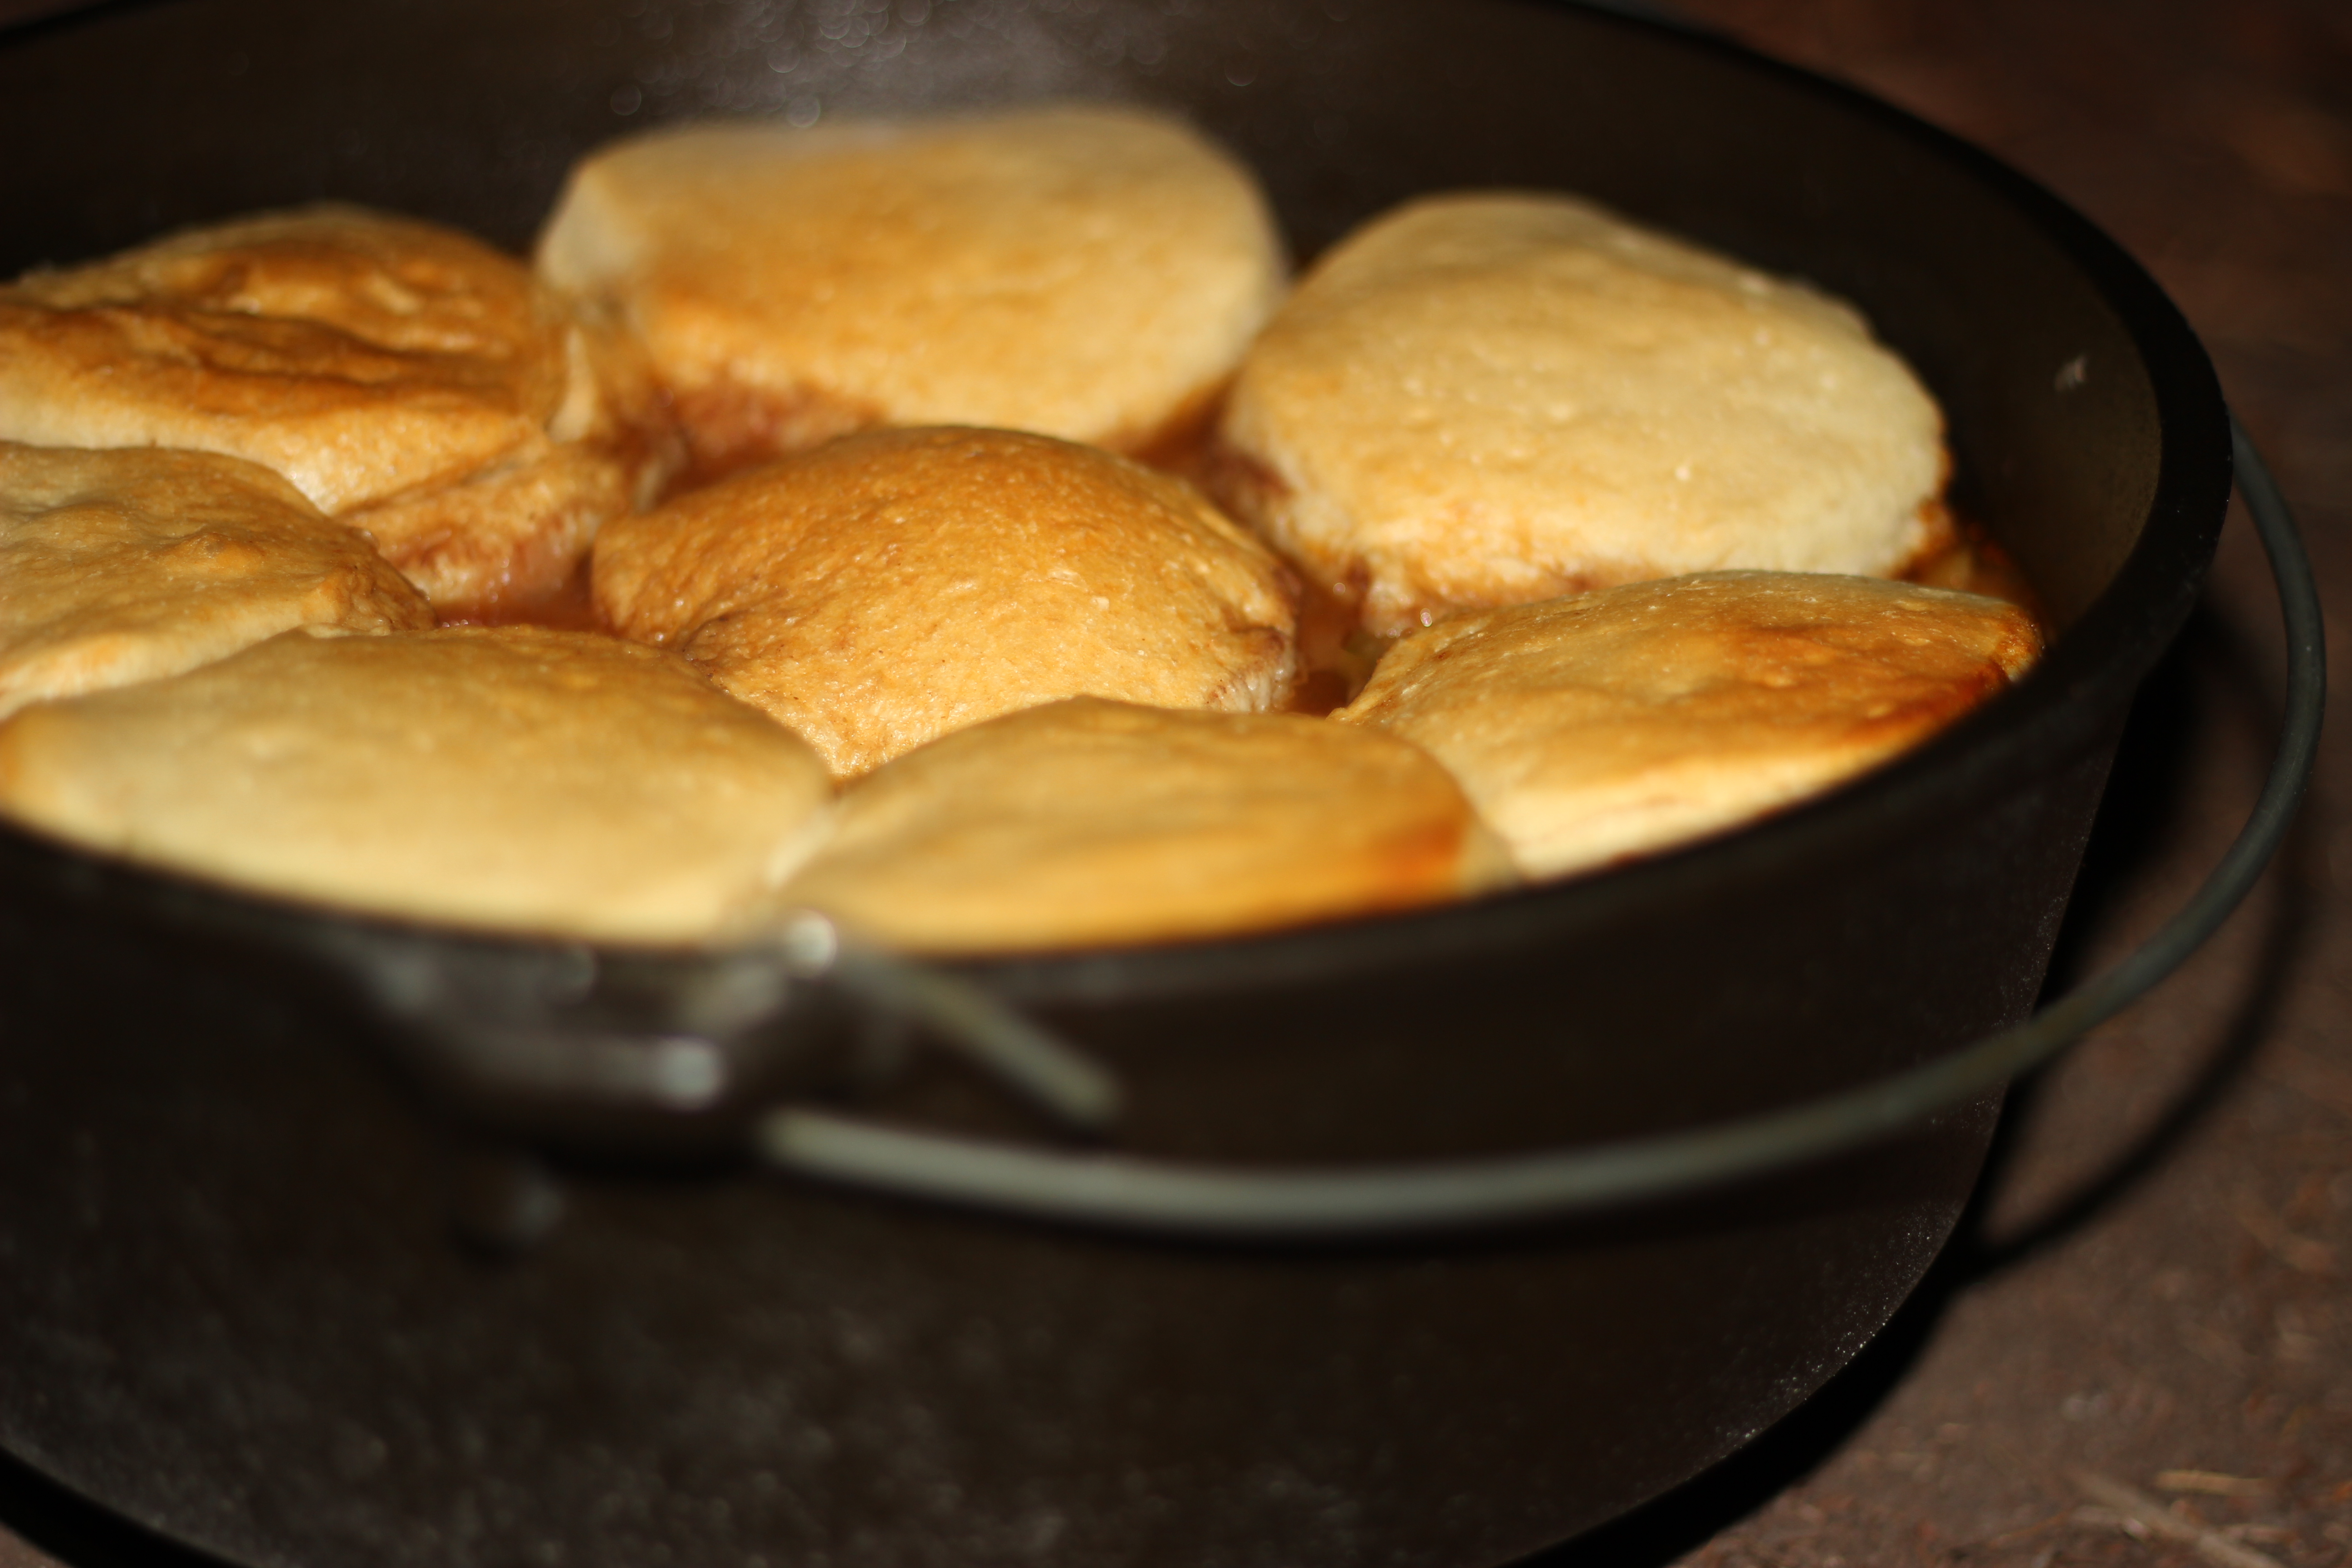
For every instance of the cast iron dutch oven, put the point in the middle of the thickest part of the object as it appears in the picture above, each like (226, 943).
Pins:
(1421, 1241)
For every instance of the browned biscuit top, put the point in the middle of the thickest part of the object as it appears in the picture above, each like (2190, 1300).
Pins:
(357, 353)
(1089, 822)
(1092, 272)
(384, 366)
(1597, 727)
(1492, 398)
(886, 588)
(126, 565)
(507, 777)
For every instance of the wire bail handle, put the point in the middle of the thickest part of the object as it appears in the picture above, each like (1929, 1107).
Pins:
(1125, 1192)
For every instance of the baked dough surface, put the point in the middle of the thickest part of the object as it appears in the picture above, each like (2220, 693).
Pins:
(1092, 273)
(1592, 728)
(891, 586)
(129, 566)
(1089, 822)
(380, 363)
(1490, 399)
(510, 778)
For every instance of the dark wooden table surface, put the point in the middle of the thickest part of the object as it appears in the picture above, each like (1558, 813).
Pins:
(2140, 1352)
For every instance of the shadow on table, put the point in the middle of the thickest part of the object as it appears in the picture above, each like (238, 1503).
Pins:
(2144, 813)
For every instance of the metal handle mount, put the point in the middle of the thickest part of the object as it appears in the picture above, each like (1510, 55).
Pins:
(1126, 1194)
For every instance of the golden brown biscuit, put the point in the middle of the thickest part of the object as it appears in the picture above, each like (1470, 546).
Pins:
(1595, 728)
(403, 376)
(1089, 822)
(1092, 273)
(124, 566)
(1493, 399)
(891, 586)
(508, 777)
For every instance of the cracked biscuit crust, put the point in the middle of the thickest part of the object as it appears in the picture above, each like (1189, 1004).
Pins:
(380, 364)
(130, 565)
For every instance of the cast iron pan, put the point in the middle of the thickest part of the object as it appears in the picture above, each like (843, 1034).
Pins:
(326, 1241)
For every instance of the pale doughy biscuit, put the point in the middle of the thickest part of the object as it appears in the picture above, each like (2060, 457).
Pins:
(1595, 728)
(1092, 273)
(1089, 822)
(129, 566)
(1489, 399)
(888, 588)
(402, 375)
(508, 778)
